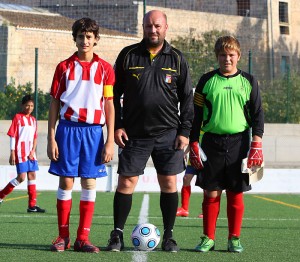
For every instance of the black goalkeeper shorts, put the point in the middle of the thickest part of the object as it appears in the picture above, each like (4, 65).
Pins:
(222, 170)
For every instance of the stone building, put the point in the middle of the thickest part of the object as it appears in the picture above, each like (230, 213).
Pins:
(37, 37)
(267, 28)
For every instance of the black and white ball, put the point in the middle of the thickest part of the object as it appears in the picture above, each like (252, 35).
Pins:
(145, 237)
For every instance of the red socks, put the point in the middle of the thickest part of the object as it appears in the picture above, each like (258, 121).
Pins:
(211, 208)
(86, 216)
(31, 189)
(86, 208)
(63, 217)
(235, 212)
(9, 188)
(185, 197)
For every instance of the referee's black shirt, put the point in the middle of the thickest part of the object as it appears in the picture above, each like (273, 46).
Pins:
(157, 94)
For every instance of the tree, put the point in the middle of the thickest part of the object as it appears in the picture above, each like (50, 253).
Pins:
(280, 100)
(199, 52)
(11, 100)
(43, 105)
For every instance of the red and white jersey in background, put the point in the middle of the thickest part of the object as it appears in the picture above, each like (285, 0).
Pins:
(82, 88)
(24, 129)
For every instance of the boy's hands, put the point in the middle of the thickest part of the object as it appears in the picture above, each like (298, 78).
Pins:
(108, 152)
(195, 157)
(12, 158)
(52, 150)
(31, 155)
(255, 154)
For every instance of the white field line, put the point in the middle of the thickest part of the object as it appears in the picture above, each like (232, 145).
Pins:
(45, 216)
(144, 212)
(141, 256)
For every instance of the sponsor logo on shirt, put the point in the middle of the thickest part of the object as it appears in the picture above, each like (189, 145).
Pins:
(137, 76)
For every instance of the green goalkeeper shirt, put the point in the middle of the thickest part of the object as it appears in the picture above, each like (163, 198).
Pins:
(227, 104)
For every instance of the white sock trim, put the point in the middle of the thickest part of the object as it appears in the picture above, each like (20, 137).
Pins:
(31, 182)
(14, 182)
(88, 195)
(64, 194)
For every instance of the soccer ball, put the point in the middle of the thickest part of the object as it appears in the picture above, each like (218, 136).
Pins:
(145, 237)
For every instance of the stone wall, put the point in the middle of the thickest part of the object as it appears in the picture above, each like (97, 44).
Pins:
(255, 34)
(252, 33)
(53, 47)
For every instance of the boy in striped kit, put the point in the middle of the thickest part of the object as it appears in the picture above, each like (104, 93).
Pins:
(23, 140)
(82, 96)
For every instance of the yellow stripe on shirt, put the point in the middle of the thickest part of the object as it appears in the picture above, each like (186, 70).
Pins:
(198, 99)
(108, 91)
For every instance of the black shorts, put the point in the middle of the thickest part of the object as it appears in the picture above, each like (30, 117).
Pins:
(167, 161)
(222, 170)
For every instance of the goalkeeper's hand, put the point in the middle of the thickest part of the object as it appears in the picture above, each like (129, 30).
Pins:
(255, 154)
(195, 156)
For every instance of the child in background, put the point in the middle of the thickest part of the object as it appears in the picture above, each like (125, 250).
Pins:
(190, 172)
(23, 140)
(183, 210)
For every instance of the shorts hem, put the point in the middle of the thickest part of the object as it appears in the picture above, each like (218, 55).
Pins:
(170, 173)
(219, 189)
(81, 176)
(129, 174)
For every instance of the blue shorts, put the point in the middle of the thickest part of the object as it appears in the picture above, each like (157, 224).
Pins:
(80, 146)
(190, 170)
(28, 166)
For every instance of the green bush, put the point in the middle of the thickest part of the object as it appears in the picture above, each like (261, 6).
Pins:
(281, 99)
(199, 52)
(12, 96)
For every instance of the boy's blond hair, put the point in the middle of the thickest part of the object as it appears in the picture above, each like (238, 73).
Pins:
(225, 43)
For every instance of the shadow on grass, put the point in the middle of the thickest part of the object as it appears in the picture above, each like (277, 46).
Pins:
(25, 246)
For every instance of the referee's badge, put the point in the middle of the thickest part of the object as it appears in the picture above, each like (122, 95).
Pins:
(168, 79)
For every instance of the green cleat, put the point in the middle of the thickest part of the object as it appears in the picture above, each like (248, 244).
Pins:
(234, 245)
(205, 245)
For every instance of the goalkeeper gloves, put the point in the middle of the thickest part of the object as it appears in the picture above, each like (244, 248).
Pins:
(255, 155)
(196, 156)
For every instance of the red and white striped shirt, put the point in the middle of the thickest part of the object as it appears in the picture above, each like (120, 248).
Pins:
(82, 88)
(24, 129)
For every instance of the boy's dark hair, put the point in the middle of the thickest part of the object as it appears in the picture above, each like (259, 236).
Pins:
(85, 24)
(27, 98)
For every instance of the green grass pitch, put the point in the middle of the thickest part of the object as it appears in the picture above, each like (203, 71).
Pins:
(271, 229)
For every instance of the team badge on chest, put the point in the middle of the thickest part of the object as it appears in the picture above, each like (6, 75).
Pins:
(168, 79)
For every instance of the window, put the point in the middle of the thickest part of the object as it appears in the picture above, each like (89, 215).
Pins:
(284, 30)
(243, 7)
(283, 12)
(285, 64)
(284, 18)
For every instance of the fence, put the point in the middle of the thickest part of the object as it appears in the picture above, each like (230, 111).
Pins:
(267, 30)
